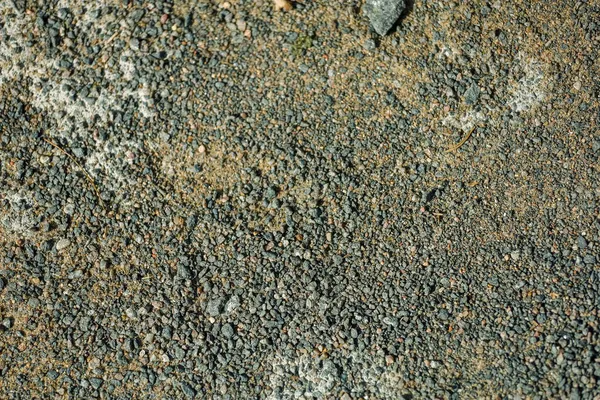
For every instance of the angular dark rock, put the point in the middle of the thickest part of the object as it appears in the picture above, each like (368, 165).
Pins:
(383, 14)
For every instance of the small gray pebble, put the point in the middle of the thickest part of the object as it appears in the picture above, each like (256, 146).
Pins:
(472, 94)
(183, 272)
(62, 244)
(52, 374)
(589, 259)
(232, 303)
(443, 314)
(7, 323)
(188, 390)
(213, 308)
(227, 331)
(515, 255)
(96, 382)
(370, 45)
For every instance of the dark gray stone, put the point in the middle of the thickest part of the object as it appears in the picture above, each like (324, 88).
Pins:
(96, 382)
(214, 307)
(472, 94)
(383, 14)
(189, 391)
(227, 331)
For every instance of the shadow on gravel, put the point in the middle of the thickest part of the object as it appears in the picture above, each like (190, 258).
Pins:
(20, 5)
(410, 4)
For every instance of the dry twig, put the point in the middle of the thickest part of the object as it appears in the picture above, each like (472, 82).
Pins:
(463, 140)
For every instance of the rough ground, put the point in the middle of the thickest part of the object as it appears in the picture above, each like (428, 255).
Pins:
(216, 200)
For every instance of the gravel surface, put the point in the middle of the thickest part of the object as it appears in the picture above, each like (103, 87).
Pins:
(210, 199)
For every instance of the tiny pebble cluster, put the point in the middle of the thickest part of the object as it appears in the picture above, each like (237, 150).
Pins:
(240, 199)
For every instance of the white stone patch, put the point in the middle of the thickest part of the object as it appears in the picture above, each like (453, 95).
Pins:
(465, 122)
(18, 220)
(46, 88)
(110, 75)
(126, 66)
(526, 94)
(55, 100)
(306, 377)
(377, 376)
(85, 19)
(12, 39)
(106, 163)
(167, 165)
(143, 96)
(529, 91)
(317, 377)
(447, 51)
